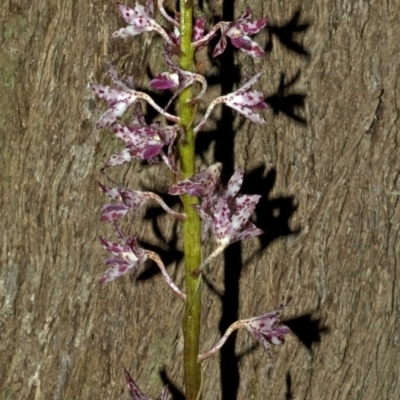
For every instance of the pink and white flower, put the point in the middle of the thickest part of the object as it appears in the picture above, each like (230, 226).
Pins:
(243, 100)
(145, 141)
(202, 184)
(267, 329)
(121, 98)
(238, 32)
(130, 258)
(223, 212)
(130, 200)
(140, 19)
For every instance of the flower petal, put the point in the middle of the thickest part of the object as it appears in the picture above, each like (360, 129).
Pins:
(248, 46)
(136, 17)
(222, 227)
(234, 184)
(165, 80)
(112, 212)
(112, 247)
(198, 29)
(248, 230)
(119, 269)
(267, 328)
(201, 184)
(120, 158)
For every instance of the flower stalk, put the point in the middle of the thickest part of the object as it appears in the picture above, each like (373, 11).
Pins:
(192, 225)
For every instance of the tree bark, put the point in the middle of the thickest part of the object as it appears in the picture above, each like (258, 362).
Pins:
(327, 163)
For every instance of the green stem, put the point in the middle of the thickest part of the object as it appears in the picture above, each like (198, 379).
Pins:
(192, 225)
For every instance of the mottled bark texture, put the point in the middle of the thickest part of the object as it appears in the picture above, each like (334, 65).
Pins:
(327, 162)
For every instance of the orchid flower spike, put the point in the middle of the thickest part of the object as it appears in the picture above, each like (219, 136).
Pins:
(267, 329)
(243, 100)
(136, 393)
(237, 32)
(179, 79)
(130, 200)
(140, 19)
(120, 99)
(130, 257)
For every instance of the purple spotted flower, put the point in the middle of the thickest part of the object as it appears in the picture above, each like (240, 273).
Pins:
(136, 393)
(243, 100)
(228, 219)
(224, 213)
(121, 98)
(140, 19)
(129, 257)
(238, 32)
(144, 141)
(178, 79)
(130, 200)
(204, 184)
(267, 329)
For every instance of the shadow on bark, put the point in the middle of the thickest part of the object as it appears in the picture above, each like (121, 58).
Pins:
(286, 102)
(286, 34)
(307, 329)
(273, 215)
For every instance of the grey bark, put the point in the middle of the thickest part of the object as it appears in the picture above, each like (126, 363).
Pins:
(65, 337)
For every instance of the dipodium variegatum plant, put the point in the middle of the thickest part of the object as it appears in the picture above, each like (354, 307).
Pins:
(210, 208)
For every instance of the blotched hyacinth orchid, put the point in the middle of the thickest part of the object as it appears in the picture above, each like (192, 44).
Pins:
(121, 98)
(237, 32)
(243, 100)
(223, 213)
(203, 184)
(145, 141)
(267, 329)
(130, 258)
(130, 200)
(136, 393)
(140, 19)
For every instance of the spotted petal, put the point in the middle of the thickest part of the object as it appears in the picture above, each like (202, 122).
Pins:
(242, 100)
(165, 80)
(140, 20)
(267, 329)
(131, 200)
(200, 184)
